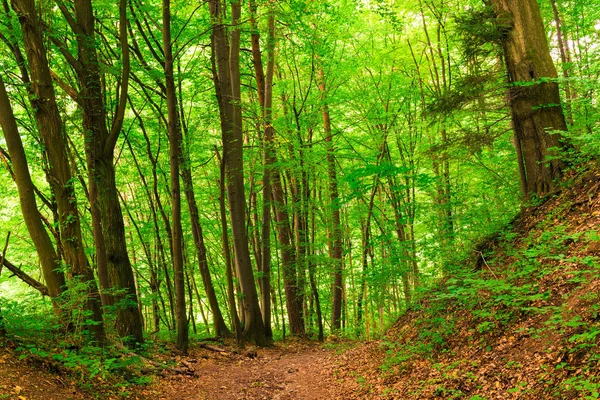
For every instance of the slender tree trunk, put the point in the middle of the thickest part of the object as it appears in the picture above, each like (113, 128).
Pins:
(55, 280)
(264, 86)
(226, 53)
(174, 158)
(221, 328)
(235, 320)
(288, 259)
(565, 57)
(335, 233)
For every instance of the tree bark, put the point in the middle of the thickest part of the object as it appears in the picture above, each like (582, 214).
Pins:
(226, 54)
(534, 98)
(174, 127)
(47, 115)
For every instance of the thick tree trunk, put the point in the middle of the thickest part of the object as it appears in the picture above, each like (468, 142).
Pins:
(533, 94)
(174, 158)
(50, 127)
(114, 267)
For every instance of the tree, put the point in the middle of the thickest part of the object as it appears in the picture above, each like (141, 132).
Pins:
(49, 123)
(335, 233)
(55, 279)
(174, 157)
(534, 98)
(227, 87)
(114, 266)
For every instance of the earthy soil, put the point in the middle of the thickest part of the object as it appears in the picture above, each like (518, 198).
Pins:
(290, 371)
(22, 380)
(285, 372)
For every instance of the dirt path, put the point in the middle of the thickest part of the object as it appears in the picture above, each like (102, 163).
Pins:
(292, 371)
(284, 373)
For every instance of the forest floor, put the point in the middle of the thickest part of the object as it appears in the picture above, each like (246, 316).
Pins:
(288, 371)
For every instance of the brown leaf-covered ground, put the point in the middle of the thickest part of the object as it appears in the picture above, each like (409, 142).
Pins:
(22, 380)
(287, 371)
(530, 358)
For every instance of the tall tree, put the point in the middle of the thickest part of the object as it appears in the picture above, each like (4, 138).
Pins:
(226, 52)
(174, 128)
(335, 233)
(534, 98)
(112, 259)
(264, 88)
(50, 126)
(54, 277)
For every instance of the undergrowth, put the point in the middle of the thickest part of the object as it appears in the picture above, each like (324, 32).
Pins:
(519, 276)
(35, 335)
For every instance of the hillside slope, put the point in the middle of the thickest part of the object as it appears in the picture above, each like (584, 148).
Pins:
(520, 320)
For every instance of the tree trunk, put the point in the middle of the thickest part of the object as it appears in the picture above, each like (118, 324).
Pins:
(55, 280)
(174, 158)
(264, 85)
(114, 267)
(228, 96)
(533, 93)
(235, 320)
(565, 57)
(335, 233)
(221, 328)
(288, 259)
(47, 115)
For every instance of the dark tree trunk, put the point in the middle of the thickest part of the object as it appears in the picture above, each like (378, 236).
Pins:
(533, 94)
(335, 233)
(288, 259)
(235, 320)
(264, 85)
(174, 157)
(226, 53)
(114, 267)
(55, 280)
(50, 126)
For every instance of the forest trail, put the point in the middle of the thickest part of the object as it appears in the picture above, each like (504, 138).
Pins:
(285, 372)
(292, 371)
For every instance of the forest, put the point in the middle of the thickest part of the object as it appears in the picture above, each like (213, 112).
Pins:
(246, 173)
